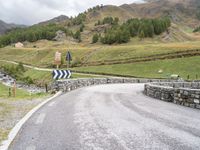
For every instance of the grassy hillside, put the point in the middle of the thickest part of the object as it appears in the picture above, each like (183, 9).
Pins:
(44, 55)
(184, 15)
(181, 66)
(178, 40)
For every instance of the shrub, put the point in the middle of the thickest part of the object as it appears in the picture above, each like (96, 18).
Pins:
(95, 38)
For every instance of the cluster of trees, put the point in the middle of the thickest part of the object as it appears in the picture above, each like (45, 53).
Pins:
(98, 7)
(32, 34)
(147, 27)
(134, 27)
(108, 20)
(197, 29)
(117, 34)
(78, 20)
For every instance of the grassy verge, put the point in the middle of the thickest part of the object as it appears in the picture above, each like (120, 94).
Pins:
(20, 94)
(13, 108)
(40, 78)
(4, 134)
(182, 66)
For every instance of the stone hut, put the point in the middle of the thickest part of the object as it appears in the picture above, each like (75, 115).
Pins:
(19, 45)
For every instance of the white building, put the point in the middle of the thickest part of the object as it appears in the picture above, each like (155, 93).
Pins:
(19, 45)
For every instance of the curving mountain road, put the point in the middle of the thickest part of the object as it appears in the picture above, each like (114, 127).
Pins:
(110, 117)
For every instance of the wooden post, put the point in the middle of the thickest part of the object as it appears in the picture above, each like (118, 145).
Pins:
(14, 89)
(188, 77)
(9, 92)
(46, 87)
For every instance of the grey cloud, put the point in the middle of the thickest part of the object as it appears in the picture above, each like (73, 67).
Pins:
(33, 11)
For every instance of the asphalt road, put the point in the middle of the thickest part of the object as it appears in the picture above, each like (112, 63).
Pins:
(110, 117)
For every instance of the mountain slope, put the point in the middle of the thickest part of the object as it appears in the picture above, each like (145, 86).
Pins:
(183, 14)
(5, 26)
(59, 19)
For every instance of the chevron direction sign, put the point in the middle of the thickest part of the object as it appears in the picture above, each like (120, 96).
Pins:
(61, 74)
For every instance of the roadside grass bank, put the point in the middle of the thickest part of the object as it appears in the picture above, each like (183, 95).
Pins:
(181, 66)
(20, 94)
(12, 109)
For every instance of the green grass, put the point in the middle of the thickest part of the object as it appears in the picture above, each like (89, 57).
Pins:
(182, 66)
(7, 107)
(40, 78)
(3, 134)
(44, 55)
(140, 50)
(76, 75)
(20, 94)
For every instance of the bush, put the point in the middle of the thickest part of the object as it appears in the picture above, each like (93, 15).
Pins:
(82, 27)
(95, 38)
(27, 80)
(77, 36)
(20, 67)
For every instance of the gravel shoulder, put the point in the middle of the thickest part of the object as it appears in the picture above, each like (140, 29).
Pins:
(11, 111)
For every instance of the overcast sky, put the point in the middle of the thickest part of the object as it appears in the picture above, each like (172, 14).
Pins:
(33, 11)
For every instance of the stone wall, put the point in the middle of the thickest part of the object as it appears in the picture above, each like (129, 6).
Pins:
(183, 93)
(71, 84)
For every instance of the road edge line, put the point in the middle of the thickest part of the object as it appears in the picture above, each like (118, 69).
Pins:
(15, 130)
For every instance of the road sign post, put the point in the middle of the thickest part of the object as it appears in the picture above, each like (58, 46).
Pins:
(68, 59)
(58, 56)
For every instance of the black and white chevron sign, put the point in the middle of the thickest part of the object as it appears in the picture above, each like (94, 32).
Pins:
(61, 74)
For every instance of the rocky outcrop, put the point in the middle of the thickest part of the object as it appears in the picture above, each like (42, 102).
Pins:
(60, 36)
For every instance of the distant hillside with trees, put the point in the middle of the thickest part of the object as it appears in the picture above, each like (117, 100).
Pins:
(134, 27)
(32, 34)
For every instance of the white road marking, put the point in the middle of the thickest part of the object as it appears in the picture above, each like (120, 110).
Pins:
(31, 148)
(52, 104)
(40, 119)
